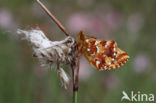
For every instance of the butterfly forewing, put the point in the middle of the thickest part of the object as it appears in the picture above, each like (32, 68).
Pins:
(103, 55)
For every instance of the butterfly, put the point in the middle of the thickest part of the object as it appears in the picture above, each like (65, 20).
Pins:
(102, 54)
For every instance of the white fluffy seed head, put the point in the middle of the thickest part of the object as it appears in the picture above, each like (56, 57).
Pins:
(49, 51)
(36, 37)
(64, 78)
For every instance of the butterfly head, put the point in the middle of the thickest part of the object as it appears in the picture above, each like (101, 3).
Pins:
(81, 41)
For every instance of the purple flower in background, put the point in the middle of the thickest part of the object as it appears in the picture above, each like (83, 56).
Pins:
(6, 19)
(84, 21)
(94, 23)
(113, 20)
(85, 69)
(141, 62)
(135, 22)
(111, 81)
(78, 21)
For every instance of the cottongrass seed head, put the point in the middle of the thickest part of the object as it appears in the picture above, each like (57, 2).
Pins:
(49, 52)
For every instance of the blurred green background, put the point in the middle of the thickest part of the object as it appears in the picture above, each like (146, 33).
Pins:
(131, 23)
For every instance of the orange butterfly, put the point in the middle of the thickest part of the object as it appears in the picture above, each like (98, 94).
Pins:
(104, 55)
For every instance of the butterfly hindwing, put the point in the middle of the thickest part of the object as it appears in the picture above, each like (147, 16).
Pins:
(100, 53)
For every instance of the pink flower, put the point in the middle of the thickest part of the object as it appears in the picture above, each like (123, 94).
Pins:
(113, 20)
(135, 22)
(6, 19)
(85, 69)
(111, 81)
(94, 23)
(83, 21)
(141, 62)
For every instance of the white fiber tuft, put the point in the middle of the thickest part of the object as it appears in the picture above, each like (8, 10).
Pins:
(48, 51)
(64, 78)
(36, 38)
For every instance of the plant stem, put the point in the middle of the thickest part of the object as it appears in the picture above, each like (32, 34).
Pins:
(53, 18)
(75, 96)
(75, 73)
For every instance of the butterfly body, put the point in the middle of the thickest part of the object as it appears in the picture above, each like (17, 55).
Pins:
(104, 55)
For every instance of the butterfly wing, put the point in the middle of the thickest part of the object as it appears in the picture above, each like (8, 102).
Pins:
(100, 53)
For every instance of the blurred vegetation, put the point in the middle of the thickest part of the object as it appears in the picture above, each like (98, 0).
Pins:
(23, 80)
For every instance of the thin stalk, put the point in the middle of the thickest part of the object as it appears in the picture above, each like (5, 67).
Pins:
(75, 96)
(75, 72)
(53, 17)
